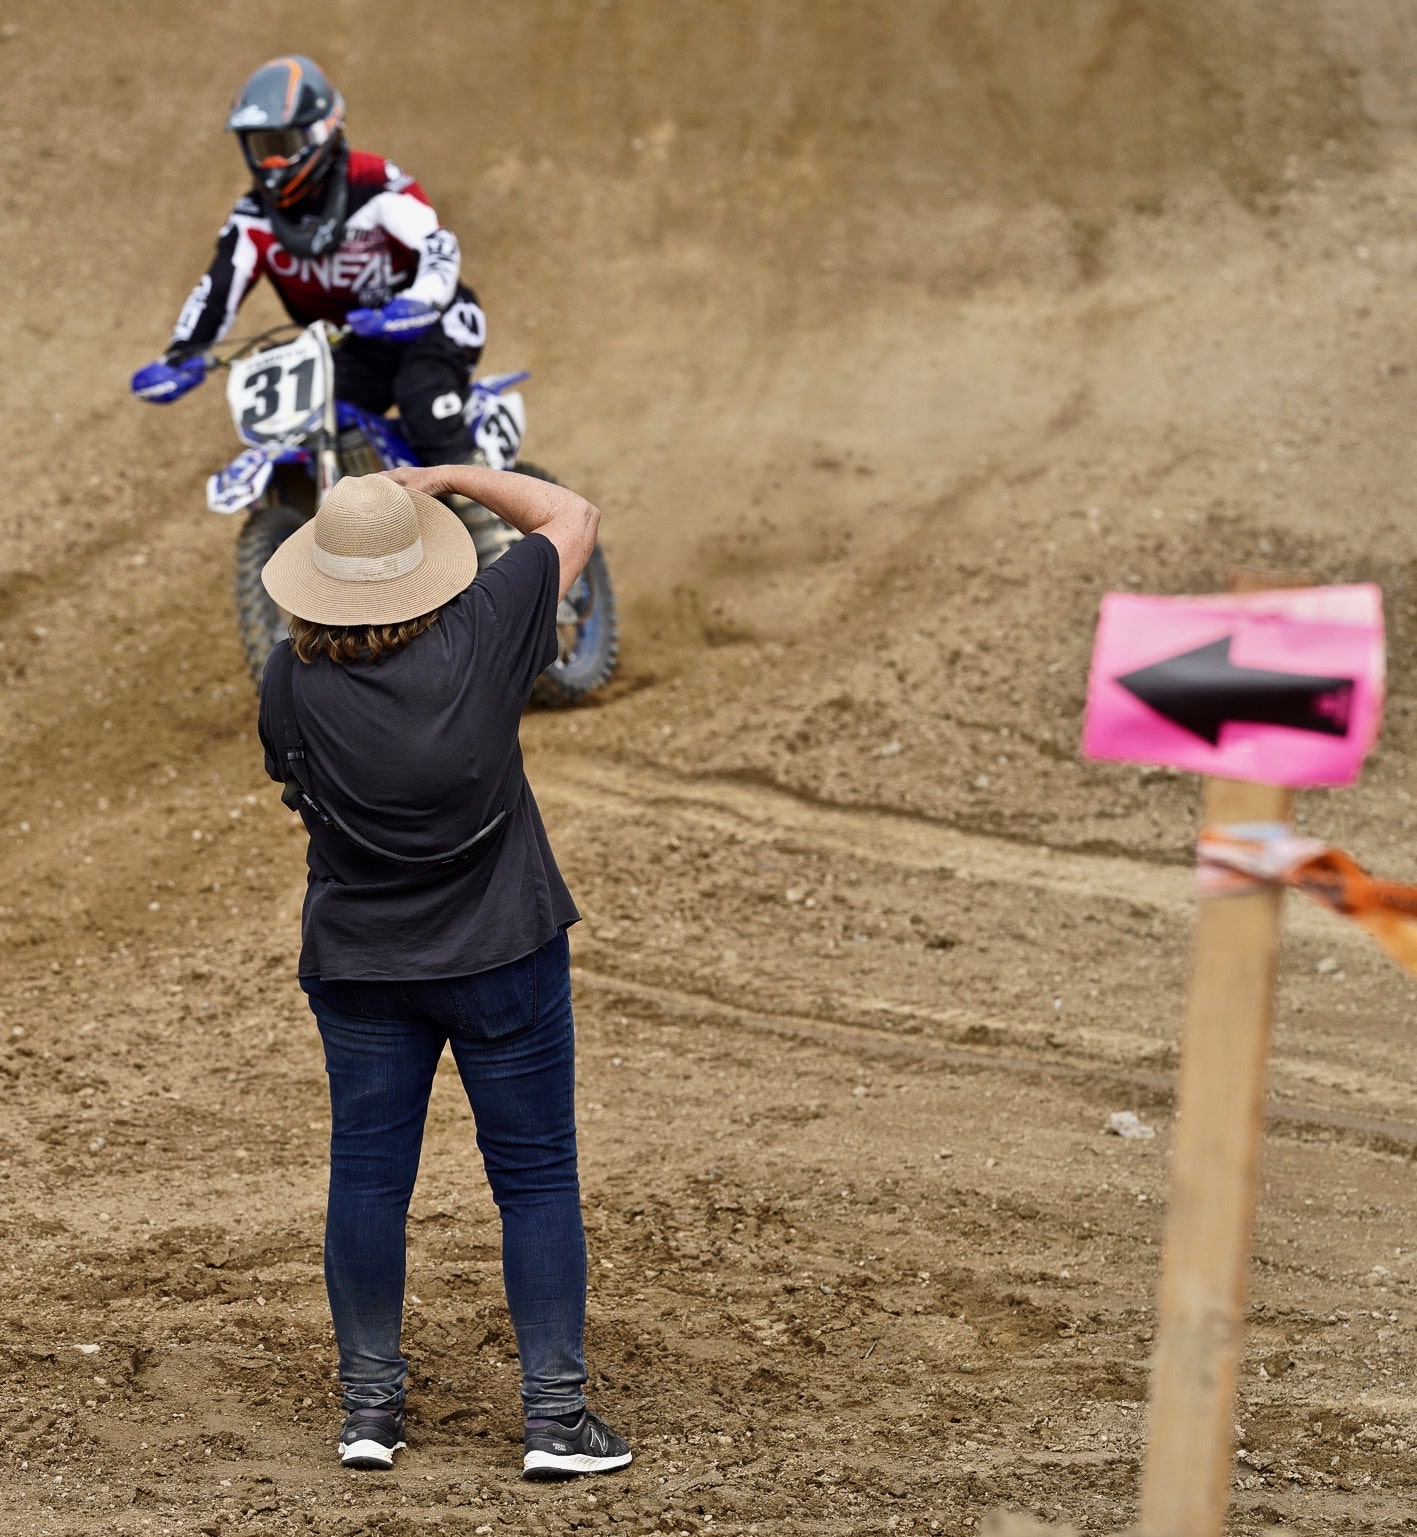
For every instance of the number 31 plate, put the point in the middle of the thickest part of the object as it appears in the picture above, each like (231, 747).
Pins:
(278, 396)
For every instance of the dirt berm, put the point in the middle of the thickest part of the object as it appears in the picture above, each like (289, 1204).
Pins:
(889, 336)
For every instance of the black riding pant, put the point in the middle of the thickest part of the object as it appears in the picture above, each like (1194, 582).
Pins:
(425, 378)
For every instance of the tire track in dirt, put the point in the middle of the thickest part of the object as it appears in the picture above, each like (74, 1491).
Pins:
(772, 815)
(1384, 1134)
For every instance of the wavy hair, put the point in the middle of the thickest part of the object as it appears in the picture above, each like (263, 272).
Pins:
(355, 642)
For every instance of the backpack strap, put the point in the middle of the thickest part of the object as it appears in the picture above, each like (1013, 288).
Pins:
(299, 795)
(292, 745)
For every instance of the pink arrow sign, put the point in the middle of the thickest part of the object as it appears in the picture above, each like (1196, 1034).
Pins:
(1283, 688)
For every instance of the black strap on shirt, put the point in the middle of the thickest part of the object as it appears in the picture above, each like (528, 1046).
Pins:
(298, 794)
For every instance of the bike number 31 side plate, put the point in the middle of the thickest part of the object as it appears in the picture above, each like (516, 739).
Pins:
(277, 397)
(498, 424)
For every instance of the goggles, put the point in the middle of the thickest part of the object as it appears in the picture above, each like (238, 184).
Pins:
(272, 148)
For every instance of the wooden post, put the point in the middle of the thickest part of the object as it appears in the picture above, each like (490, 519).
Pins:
(1219, 1121)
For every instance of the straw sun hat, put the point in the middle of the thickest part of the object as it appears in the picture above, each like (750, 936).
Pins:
(375, 553)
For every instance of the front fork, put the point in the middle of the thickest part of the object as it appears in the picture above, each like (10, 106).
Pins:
(327, 470)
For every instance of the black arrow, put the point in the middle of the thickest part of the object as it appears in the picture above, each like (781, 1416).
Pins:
(1202, 689)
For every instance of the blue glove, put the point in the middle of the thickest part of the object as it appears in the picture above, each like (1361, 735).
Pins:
(400, 320)
(162, 382)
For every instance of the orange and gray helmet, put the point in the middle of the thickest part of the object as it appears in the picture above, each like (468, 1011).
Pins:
(289, 119)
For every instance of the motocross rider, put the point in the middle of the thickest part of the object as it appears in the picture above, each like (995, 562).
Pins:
(345, 237)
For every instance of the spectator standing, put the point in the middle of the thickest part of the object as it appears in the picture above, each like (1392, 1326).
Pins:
(434, 913)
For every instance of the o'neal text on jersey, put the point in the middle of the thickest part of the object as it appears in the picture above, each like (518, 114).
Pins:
(369, 276)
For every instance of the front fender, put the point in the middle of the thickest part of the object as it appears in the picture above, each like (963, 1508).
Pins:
(247, 476)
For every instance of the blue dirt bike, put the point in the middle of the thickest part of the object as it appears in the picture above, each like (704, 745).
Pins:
(301, 440)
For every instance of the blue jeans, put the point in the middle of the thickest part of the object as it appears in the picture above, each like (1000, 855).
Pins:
(512, 1038)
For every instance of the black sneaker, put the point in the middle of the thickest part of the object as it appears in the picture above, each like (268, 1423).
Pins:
(370, 1438)
(555, 1450)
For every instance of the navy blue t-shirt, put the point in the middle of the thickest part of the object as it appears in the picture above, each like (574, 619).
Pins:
(416, 752)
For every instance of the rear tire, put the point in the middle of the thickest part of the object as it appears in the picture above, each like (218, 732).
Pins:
(261, 623)
(591, 663)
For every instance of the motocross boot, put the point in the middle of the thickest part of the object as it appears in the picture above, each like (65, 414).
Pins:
(491, 537)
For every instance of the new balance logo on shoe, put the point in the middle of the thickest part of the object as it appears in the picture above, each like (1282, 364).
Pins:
(553, 1452)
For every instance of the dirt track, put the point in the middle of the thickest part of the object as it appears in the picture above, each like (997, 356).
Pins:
(889, 336)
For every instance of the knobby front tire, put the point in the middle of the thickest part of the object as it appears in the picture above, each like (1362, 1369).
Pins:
(260, 622)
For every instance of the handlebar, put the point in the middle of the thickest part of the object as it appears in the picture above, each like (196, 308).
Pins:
(239, 347)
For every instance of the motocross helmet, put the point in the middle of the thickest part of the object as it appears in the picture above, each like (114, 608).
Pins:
(289, 119)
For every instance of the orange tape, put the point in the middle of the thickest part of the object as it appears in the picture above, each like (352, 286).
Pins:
(1248, 857)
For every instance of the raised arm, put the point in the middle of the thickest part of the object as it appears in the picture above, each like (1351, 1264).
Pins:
(211, 307)
(531, 506)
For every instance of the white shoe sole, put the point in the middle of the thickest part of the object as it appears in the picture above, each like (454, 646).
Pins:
(549, 1465)
(369, 1454)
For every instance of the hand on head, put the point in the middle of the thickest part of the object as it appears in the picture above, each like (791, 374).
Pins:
(430, 479)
